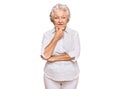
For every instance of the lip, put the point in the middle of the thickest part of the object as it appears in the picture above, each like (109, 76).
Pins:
(60, 24)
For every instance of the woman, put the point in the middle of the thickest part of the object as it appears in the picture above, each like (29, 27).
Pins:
(61, 49)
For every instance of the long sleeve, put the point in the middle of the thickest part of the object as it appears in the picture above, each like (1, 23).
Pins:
(76, 50)
(45, 42)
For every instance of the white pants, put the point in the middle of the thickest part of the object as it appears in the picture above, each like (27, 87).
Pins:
(51, 84)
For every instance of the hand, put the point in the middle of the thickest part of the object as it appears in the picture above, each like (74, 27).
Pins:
(60, 28)
(59, 33)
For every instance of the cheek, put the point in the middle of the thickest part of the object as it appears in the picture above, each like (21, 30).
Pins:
(54, 22)
(66, 21)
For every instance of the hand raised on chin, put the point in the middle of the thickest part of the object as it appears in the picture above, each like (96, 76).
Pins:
(60, 28)
(59, 33)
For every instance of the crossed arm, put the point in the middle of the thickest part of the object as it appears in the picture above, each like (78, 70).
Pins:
(62, 57)
(48, 51)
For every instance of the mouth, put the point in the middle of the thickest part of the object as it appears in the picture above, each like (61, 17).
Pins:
(60, 24)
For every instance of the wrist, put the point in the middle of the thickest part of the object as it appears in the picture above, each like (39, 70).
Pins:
(55, 39)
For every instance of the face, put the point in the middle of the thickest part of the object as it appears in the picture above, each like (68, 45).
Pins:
(60, 19)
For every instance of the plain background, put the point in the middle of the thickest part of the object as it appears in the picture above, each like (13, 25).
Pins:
(22, 24)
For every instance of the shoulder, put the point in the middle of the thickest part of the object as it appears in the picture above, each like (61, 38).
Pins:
(73, 31)
(47, 33)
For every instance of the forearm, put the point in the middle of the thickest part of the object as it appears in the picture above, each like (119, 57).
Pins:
(48, 52)
(62, 57)
(50, 48)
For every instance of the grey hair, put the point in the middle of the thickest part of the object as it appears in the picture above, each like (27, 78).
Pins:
(60, 7)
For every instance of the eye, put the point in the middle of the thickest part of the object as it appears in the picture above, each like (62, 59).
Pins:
(55, 17)
(63, 17)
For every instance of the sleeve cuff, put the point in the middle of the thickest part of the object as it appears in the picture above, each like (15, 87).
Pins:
(72, 55)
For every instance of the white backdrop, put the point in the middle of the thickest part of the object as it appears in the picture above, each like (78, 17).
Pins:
(22, 24)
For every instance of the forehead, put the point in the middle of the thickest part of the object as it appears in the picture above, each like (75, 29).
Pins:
(60, 12)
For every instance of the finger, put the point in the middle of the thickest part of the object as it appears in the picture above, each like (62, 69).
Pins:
(62, 28)
(57, 29)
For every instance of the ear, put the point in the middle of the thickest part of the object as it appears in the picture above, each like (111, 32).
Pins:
(68, 20)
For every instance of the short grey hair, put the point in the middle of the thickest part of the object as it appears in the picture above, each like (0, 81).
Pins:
(60, 7)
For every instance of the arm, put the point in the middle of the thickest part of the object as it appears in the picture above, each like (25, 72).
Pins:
(48, 51)
(76, 51)
(62, 57)
(50, 48)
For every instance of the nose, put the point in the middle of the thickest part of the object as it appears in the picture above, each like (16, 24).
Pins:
(60, 20)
